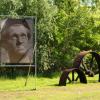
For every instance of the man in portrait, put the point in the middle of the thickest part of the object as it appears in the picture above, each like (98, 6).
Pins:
(16, 41)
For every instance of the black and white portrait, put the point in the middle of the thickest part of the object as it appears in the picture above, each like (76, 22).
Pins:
(16, 40)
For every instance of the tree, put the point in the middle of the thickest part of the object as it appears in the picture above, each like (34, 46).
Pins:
(64, 27)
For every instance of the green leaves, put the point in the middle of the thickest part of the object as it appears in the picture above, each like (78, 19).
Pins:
(64, 27)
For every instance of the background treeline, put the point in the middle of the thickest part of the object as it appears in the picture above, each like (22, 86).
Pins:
(64, 28)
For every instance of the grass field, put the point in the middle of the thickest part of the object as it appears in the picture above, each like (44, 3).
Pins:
(46, 89)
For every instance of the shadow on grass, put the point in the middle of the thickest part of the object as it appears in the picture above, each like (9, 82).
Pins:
(34, 89)
(54, 85)
(89, 81)
(93, 81)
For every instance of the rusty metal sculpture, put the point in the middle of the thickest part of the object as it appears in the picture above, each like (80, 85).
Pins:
(65, 76)
(80, 69)
(97, 58)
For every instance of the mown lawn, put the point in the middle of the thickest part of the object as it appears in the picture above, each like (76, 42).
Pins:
(46, 89)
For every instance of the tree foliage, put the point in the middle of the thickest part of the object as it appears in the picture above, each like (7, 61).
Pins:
(64, 27)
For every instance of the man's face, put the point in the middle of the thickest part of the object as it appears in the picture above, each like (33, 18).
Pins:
(17, 39)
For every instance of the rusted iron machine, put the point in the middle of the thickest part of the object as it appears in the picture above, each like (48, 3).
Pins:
(80, 68)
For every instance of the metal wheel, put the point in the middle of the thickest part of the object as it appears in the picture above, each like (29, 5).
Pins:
(72, 77)
(89, 65)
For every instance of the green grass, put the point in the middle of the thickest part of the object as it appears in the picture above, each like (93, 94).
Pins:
(46, 89)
